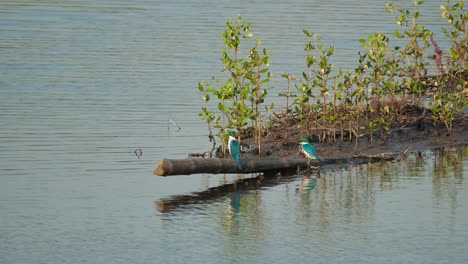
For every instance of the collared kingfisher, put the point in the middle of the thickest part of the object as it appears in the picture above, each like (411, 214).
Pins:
(309, 150)
(234, 149)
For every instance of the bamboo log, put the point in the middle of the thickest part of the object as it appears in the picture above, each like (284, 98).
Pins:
(169, 167)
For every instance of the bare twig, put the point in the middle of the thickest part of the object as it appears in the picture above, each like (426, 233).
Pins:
(202, 155)
(437, 56)
(138, 152)
(212, 139)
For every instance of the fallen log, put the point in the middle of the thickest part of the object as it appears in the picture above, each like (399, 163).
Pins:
(170, 167)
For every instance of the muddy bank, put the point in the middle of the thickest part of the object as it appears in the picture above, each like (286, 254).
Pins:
(403, 139)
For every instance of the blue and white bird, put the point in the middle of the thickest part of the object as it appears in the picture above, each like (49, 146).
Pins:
(309, 150)
(234, 149)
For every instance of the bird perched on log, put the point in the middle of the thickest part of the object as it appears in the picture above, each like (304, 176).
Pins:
(309, 150)
(234, 149)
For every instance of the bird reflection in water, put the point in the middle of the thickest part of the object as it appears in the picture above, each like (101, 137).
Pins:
(234, 203)
(308, 184)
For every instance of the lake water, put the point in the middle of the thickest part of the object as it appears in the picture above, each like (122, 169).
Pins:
(84, 83)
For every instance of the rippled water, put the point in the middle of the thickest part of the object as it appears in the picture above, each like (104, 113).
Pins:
(84, 83)
(413, 211)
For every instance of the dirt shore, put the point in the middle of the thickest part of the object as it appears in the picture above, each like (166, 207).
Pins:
(404, 139)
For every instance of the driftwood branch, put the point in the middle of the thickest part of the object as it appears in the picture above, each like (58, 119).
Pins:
(168, 167)
(378, 157)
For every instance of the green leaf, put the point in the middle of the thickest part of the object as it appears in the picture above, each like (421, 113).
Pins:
(454, 54)
(297, 109)
(229, 82)
(357, 91)
(221, 107)
(398, 34)
(306, 33)
(245, 92)
(211, 90)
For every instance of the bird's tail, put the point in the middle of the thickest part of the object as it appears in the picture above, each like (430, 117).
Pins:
(239, 165)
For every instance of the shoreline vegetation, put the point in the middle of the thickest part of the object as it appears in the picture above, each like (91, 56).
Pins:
(388, 103)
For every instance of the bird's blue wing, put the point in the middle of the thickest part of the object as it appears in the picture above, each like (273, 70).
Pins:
(310, 150)
(235, 149)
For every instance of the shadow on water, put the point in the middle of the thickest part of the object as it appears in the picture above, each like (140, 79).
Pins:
(345, 186)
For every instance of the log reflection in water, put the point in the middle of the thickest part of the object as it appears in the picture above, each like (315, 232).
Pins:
(219, 193)
(353, 186)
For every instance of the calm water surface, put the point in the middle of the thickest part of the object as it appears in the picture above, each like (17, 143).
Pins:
(84, 83)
